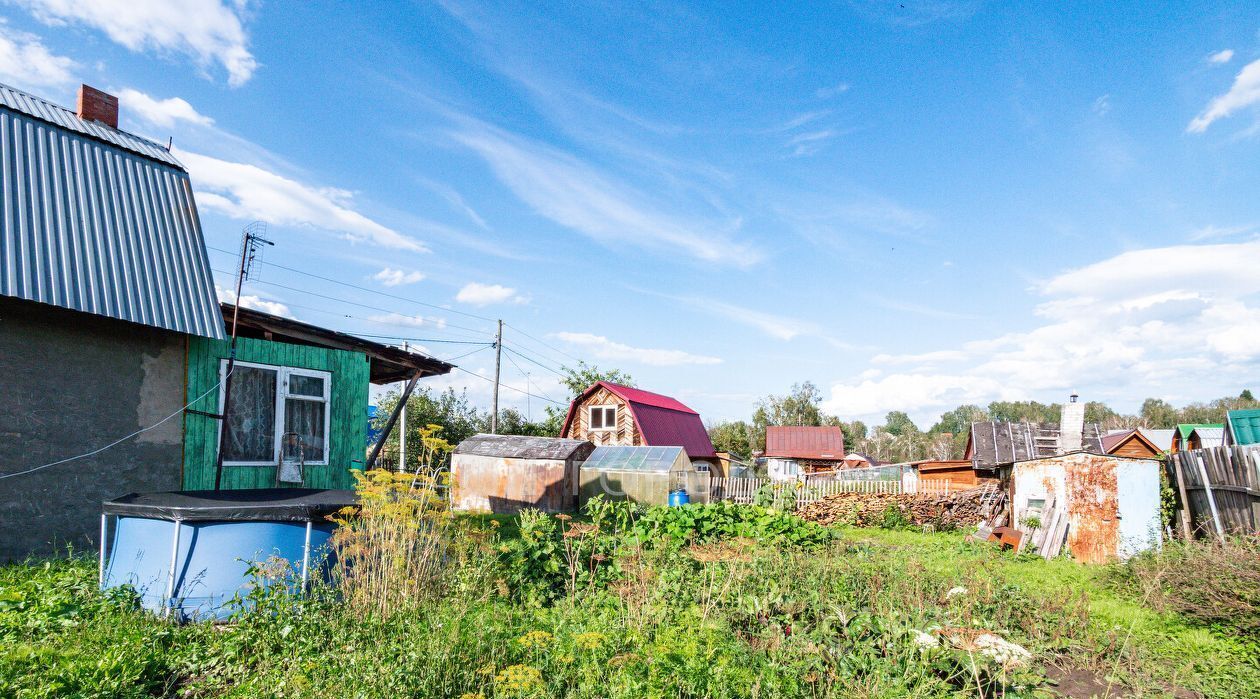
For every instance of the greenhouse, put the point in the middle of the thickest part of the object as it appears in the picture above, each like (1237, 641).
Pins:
(644, 475)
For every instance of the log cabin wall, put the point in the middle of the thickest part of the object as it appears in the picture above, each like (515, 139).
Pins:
(626, 434)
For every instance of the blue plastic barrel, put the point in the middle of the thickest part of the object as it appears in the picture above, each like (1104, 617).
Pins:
(678, 498)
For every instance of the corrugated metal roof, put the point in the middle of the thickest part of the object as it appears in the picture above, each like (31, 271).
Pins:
(520, 447)
(1210, 436)
(92, 225)
(1244, 426)
(662, 427)
(638, 395)
(68, 119)
(805, 443)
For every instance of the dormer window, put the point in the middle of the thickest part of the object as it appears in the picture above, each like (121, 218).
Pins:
(603, 417)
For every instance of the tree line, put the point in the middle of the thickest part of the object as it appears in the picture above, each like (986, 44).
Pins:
(899, 439)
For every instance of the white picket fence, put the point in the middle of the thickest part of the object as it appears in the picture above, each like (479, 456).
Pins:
(744, 490)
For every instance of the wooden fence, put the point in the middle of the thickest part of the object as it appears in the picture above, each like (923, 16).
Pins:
(745, 490)
(1219, 489)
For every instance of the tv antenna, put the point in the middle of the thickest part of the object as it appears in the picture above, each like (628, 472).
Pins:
(253, 238)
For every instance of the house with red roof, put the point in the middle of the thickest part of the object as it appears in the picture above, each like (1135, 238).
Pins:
(813, 448)
(609, 414)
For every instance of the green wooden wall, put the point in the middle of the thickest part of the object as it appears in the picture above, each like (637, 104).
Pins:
(347, 425)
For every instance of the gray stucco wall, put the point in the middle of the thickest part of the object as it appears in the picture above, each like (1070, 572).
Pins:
(71, 383)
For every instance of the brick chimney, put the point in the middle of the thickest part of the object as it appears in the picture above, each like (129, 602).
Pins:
(1071, 425)
(95, 105)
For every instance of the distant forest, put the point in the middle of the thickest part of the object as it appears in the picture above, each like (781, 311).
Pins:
(899, 439)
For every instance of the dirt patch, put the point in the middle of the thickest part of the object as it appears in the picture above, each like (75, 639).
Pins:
(1079, 683)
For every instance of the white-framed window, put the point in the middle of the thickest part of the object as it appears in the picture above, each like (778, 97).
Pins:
(602, 417)
(270, 401)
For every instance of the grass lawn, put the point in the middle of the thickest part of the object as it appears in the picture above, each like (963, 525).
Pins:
(765, 607)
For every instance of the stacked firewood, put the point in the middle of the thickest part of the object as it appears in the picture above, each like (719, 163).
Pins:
(957, 510)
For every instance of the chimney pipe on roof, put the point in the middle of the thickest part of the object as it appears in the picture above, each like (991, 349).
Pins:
(95, 105)
(1071, 425)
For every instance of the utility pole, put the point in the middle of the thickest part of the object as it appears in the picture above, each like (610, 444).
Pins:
(402, 431)
(253, 236)
(498, 357)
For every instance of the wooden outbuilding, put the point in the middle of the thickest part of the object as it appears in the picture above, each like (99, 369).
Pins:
(508, 473)
(1133, 443)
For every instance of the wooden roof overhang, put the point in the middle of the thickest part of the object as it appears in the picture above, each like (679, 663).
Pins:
(388, 364)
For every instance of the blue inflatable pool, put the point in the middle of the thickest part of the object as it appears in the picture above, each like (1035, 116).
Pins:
(188, 554)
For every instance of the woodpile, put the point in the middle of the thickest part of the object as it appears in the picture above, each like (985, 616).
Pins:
(958, 510)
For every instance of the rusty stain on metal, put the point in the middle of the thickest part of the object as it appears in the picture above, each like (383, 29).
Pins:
(1093, 525)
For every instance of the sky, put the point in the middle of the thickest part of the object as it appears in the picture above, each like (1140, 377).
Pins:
(912, 204)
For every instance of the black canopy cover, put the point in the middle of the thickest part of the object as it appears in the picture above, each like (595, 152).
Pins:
(268, 504)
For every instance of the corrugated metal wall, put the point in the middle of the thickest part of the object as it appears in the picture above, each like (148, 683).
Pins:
(87, 226)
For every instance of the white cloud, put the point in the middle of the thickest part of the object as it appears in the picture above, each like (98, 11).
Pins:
(210, 31)
(1129, 325)
(408, 320)
(397, 277)
(158, 112)
(1102, 105)
(478, 294)
(254, 302)
(248, 192)
(1244, 93)
(578, 196)
(603, 348)
(26, 62)
(1221, 56)
(1210, 232)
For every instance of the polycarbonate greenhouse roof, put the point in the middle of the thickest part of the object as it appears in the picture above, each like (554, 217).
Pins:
(642, 459)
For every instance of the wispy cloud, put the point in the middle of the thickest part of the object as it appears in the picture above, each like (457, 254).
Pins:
(477, 294)
(455, 199)
(1212, 232)
(824, 93)
(27, 63)
(603, 348)
(163, 113)
(1221, 56)
(579, 196)
(809, 143)
(1244, 93)
(246, 192)
(397, 277)
(209, 31)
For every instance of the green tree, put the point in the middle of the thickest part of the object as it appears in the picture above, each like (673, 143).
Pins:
(854, 435)
(512, 421)
(734, 437)
(449, 410)
(1024, 411)
(899, 424)
(800, 407)
(1246, 396)
(1158, 414)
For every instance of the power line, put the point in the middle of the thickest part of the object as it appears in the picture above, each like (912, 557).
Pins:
(369, 290)
(351, 303)
(557, 373)
(469, 353)
(510, 388)
(544, 344)
(522, 349)
(526, 375)
(120, 440)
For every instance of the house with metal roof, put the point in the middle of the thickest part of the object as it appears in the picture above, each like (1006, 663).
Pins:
(609, 414)
(1242, 427)
(793, 450)
(992, 443)
(1185, 438)
(104, 279)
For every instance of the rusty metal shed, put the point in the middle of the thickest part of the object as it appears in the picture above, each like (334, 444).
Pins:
(1111, 502)
(508, 473)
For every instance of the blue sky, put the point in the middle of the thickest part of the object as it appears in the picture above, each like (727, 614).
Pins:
(912, 204)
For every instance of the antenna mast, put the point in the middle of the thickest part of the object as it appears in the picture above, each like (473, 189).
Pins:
(252, 238)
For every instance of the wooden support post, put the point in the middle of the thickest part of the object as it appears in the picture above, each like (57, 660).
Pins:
(389, 424)
(1207, 488)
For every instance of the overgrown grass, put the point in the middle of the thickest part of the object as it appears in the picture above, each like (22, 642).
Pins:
(528, 608)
